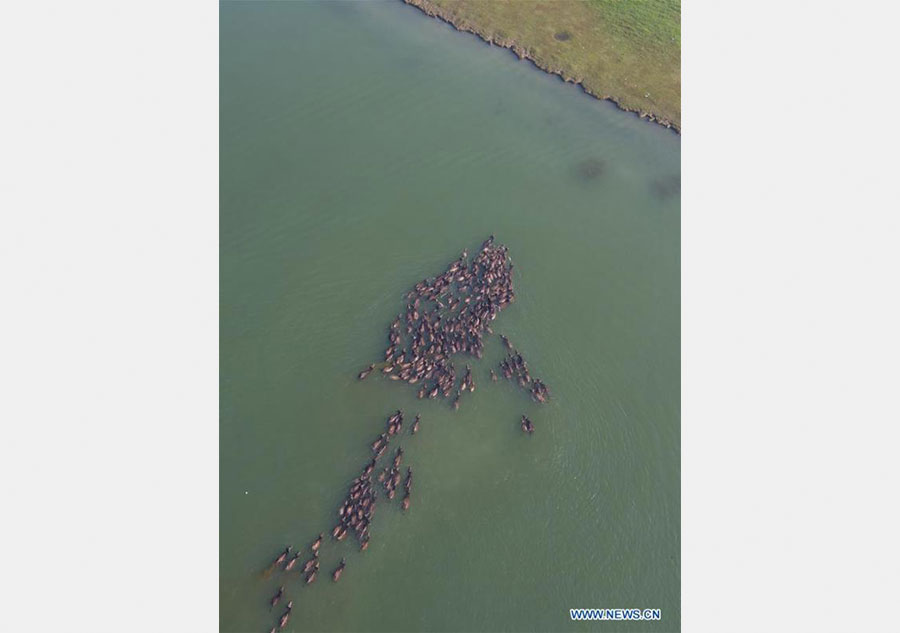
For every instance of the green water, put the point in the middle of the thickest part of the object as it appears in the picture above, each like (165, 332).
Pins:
(363, 146)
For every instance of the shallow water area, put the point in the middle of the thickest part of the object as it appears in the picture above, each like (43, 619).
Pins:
(363, 146)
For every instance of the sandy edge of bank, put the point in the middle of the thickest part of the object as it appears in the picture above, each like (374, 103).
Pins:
(437, 12)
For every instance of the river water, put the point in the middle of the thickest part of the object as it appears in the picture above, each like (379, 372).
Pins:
(363, 146)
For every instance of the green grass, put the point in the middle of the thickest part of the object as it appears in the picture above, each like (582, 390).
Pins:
(626, 50)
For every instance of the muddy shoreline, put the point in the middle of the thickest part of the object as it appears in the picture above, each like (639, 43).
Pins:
(437, 12)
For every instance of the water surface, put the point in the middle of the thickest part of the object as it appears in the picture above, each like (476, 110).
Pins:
(363, 146)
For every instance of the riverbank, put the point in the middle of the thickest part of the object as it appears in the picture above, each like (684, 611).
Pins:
(627, 53)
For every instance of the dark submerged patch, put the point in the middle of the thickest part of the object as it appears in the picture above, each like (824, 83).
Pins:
(590, 169)
(563, 36)
(667, 187)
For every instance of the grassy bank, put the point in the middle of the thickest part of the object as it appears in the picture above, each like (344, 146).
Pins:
(628, 51)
